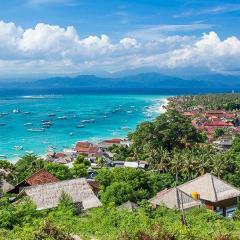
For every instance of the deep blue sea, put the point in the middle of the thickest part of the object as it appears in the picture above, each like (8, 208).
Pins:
(73, 117)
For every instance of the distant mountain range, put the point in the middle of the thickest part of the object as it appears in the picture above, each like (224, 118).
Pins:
(143, 80)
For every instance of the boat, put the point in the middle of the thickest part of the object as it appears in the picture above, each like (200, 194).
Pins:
(16, 111)
(2, 124)
(51, 114)
(62, 118)
(36, 129)
(18, 148)
(80, 126)
(88, 121)
(126, 128)
(3, 156)
(3, 114)
(27, 124)
(47, 124)
(26, 113)
(70, 134)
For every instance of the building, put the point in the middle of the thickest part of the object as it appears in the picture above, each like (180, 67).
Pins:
(5, 186)
(218, 124)
(130, 206)
(214, 193)
(108, 143)
(39, 178)
(88, 149)
(223, 144)
(47, 196)
(168, 198)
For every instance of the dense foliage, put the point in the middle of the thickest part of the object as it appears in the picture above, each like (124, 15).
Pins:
(119, 185)
(209, 102)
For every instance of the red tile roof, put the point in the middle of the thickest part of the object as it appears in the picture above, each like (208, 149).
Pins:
(83, 147)
(60, 155)
(41, 177)
(218, 124)
(114, 140)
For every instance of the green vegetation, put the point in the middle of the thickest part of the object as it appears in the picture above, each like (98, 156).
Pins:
(30, 163)
(108, 222)
(209, 102)
(119, 185)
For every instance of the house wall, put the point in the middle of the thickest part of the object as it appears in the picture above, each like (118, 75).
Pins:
(221, 206)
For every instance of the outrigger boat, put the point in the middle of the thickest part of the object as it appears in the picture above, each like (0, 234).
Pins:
(36, 129)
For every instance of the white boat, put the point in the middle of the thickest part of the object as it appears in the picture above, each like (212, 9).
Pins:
(70, 134)
(51, 114)
(3, 114)
(36, 129)
(27, 124)
(18, 148)
(88, 121)
(126, 128)
(80, 126)
(26, 113)
(62, 118)
(16, 111)
(47, 123)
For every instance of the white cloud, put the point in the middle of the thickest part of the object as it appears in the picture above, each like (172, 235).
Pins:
(219, 9)
(52, 49)
(37, 3)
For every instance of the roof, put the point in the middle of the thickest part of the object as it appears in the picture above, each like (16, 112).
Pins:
(129, 206)
(168, 198)
(47, 196)
(83, 147)
(131, 164)
(114, 140)
(218, 124)
(41, 177)
(210, 188)
(216, 112)
(6, 186)
(60, 155)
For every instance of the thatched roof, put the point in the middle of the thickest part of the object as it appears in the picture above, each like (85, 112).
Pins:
(210, 188)
(47, 195)
(6, 186)
(129, 206)
(168, 198)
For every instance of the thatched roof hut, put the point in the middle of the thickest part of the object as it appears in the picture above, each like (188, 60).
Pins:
(130, 206)
(47, 196)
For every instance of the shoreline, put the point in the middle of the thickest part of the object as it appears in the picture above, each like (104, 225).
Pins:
(156, 109)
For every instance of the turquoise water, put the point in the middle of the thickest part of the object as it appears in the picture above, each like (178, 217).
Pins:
(111, 115)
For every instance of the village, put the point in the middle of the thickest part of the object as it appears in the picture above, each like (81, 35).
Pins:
(207, 190)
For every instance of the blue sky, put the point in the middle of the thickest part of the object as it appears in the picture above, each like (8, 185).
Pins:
(118, 35)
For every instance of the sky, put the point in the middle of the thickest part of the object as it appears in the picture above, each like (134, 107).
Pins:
(70, 37)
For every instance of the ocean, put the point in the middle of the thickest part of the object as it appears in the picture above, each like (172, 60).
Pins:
(34, 122)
